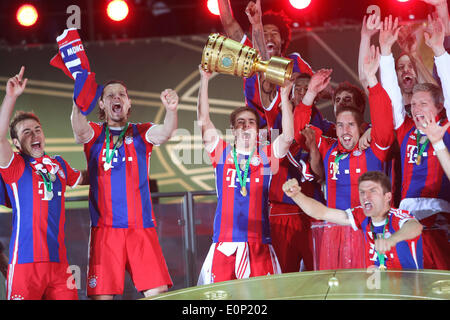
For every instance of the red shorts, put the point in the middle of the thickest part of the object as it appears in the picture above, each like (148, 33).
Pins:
(40, 281)
(114, 250)
(249, 260)
(292, 241)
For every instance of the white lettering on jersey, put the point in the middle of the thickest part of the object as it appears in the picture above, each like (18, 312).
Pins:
(411, 153)
(231, 178)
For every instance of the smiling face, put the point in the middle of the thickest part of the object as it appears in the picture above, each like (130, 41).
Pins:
(374, 200)
(273, 40)
(422, 102)
(299, 90)
(347, 129)
(30, 138)
(245, 129)
(406, 74)
(115, 104)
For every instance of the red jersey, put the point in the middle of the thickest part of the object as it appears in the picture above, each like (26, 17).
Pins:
(406, 254)
(242, 218)
(120, 196)
(38, 220)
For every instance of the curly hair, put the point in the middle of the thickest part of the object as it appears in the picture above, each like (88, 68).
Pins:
(358, 95)
(283, 23)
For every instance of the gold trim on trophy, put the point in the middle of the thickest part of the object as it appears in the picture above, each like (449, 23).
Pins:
(224, 55)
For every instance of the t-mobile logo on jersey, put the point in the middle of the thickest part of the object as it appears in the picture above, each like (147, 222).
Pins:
(411, 153)
(234, 181)
(48, 194)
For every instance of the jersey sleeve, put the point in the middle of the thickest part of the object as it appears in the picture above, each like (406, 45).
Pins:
(302, 116)
(356, 217)
(300, 65)
(216, 152)
(73, 176)
(144, 129)
(14, 170)
(97, 127)
(443, 70)
(399, 217)
(389, 81)
(382, 121)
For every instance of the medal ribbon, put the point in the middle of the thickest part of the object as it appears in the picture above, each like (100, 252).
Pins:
(109, 156)
(47, 181)
(42, 164)
(380, 256)
(337, 159)
(242, 181)
(420, 147)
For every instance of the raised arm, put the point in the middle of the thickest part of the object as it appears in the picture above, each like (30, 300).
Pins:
(229, 23)
(442, 12)
(164, 132)
(382, 132)
(82, 131)
(388, 76)
(370, 26)
(302, 113)
(434, 38)
(312, 207)
(209, 132)
(14, 88)
(285, 139)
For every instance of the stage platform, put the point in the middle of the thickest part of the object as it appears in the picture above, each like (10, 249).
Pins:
(350, 284)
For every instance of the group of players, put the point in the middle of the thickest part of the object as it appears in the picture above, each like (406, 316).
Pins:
(269, 194)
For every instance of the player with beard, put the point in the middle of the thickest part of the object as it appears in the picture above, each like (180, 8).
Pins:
(271, 34)
(123, 235)
(392, 236)
(344, 162)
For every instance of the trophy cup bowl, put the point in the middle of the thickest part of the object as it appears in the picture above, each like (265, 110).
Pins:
(224, 55)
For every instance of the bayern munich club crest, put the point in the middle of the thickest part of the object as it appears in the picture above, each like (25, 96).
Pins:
(92, 281)
(255, 161)
(128, 140)
(357, 153)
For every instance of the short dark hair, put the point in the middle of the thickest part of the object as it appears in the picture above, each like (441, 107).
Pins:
(358, 95)
(379, 177)
(303, 76)
(18, 117)
(359, 117)
(239, 110)
(283, 23)
(101, 113)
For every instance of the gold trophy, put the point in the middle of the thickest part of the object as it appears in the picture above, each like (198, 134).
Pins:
(225, 55)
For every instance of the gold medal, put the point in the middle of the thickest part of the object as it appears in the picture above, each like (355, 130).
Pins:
(48, 195)
(244, 191)
(382, 267)
(418, 160)
(107, 166)
(52, 177)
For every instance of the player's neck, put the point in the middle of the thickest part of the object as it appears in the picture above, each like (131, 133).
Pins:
(116, 124)
(244, 147)
(381, 217)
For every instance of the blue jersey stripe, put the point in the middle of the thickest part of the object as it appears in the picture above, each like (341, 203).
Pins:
(146, 203)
